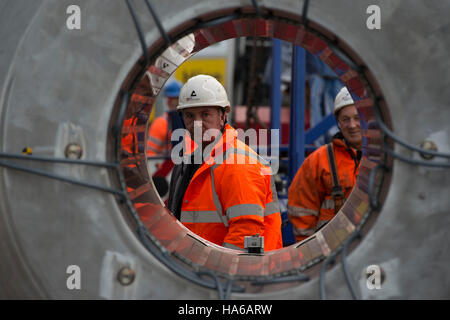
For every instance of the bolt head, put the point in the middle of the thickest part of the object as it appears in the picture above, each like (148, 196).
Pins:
(73, 151)
(126, 276)
(429, 146)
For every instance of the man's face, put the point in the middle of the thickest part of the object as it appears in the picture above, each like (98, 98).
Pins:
(348, 119)
(202, 119)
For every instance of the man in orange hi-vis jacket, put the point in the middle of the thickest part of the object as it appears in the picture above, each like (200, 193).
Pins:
(229, 193)
(322, 183)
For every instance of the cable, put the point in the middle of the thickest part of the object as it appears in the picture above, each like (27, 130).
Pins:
(223, 294)
(141, 37)
(323, 269)
(59, 160)
(414, 161)
(291, 278)
(331, 259)
(408, 145)
(216, 280)
(158, 24)
(374, 203)
(228, 289)
(347, 243)
(61, 178)
(218, 21)
(257, 8)
(393, 136)
(137, 24)
(305, 12)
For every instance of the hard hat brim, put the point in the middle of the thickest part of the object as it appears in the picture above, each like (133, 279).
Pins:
(336, 111)
(203, 104)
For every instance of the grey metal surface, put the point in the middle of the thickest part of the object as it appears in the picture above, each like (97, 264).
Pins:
(52, 78)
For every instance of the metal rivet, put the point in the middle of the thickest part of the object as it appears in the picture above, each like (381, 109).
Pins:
(429, 146)
(73, 151)
(126, 276)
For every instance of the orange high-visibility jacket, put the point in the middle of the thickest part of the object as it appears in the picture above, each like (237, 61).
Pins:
(232, 195)
(158, 142)
(310, 204)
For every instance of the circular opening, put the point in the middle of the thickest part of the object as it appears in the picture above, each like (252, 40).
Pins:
(186, 252)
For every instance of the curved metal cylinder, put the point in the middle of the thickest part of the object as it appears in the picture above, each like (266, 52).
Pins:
(61, 86)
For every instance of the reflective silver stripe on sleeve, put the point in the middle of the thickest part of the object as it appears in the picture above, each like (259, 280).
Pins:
(231, 246)
(200, 217)
(216, 200)
(150, 148)
(274, 190)
(244, 210)
(327, 204)
(301, 212)
(157, 141)
(271, 207)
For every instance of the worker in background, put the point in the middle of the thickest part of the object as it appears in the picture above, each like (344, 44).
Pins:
(221, 200)
(159, 141)
(326, 177)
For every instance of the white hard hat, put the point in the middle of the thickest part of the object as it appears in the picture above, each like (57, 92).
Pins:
(203, 91)
(343, 99)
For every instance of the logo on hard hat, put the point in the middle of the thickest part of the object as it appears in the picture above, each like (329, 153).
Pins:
(193, 96)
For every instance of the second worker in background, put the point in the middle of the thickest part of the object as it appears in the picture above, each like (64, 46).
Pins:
(326, 177)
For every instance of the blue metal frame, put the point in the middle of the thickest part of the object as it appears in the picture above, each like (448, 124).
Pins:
(275, 96)
(296, 129)
(299, 141)
(297, 125)
(320, 129)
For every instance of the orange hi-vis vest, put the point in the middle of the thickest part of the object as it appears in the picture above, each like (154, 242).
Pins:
(310, 201)
(158, 142)
(232, 195)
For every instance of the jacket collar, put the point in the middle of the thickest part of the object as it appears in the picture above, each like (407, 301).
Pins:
(226, 140)
(355, 154)
(340, 143)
